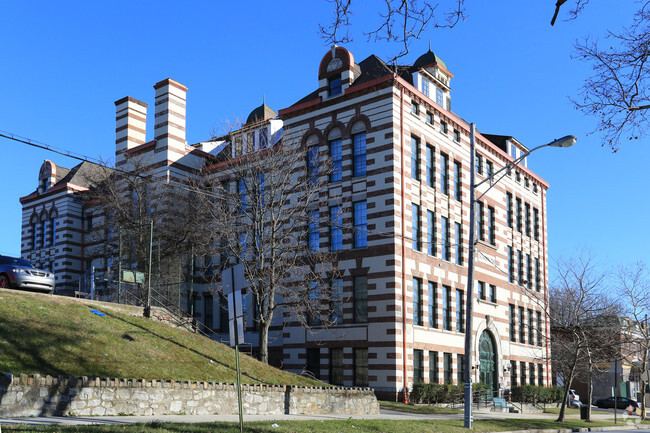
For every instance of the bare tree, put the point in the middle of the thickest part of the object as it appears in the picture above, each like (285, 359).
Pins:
(263, 208)
(617, 91)
(579, 313)
(634, 292)
(145, 224)
(399, 22)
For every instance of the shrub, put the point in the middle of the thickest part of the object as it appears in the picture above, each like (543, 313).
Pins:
(536, 394)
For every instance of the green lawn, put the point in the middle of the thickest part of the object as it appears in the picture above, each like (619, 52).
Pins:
(57, 335)
(356, 426)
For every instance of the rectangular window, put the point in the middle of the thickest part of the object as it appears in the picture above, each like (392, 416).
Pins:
(314, 313)
(493, 293)
(540, 328)
(529, 272)
(459, 243)
(479, 163)
(335, 87)
(416, 227)
(360, 224)
(223, 313)
(336, 155)
(417, 302)
(456, 136)
(415, 158)
(531, 334)
(446, 308)
(527, 218)
(361, 366)
(336, 228)
(243, 195)
(460, 309)
(536, 223)
(312, 165)
(513, 373)
(336, 302)
(314, 233)
(538, 280)
(511, 266)
(418, 366)
(518, 210)
(512, 322)
(429, 118)
(415, 108)
(540, 375)
(431, 233)
(42, 233)
(439, 96)
(443, 127)
(522, 372)
(433, 305)
(489, 168)
(431, 172)
(480, 222)
(447, 366)
(444, 179)
(425, 86)
(313, 362)
(458, 181)
(509, 209)
(520, 267)
(522, 326)
(359, 156)
(491, 226)
(433, 367)
(481, 290)
(208, 311)
(34, 235)
(460, 369)
(360, 299)
(444, 226)
(336, 366)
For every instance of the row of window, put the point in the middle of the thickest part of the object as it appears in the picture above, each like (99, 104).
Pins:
(526, 374)
(449, 322)
(337, 365)
(430, 180)
(359, 162)
(360, 227)
(523, 273)
(522, 216)
(445, 228)
(447, 367)
(520, 328)
(529, 373)
(44, 233)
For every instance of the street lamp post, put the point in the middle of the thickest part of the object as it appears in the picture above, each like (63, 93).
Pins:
(493, 179)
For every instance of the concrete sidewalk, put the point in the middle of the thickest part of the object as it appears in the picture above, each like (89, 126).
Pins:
(480, 414)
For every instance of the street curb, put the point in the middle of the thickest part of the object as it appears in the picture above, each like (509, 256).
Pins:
(576, 430)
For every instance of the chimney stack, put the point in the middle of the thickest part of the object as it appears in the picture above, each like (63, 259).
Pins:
(169, 131)
(130, 126)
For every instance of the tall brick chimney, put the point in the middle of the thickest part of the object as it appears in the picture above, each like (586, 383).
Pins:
(169, 131)
(130, 126)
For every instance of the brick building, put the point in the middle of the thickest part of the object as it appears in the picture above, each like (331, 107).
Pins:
(400, 184)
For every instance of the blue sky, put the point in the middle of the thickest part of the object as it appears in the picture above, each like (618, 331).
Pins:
(65, 63)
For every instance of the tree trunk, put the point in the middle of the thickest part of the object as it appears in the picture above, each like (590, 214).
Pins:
(263, 343)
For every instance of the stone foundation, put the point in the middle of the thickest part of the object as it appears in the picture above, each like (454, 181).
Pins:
(37, 395)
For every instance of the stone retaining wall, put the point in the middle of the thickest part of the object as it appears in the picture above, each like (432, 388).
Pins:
(37, 395)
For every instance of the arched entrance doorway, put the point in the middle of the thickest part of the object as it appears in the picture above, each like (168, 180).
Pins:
(488, 373)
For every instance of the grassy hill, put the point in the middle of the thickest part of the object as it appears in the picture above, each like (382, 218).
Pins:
(60, 336)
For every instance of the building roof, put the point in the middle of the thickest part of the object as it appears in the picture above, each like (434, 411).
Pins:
(498, 140)
(263, 112)
(428, 59)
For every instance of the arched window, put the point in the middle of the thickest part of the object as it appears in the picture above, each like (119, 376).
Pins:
(34, 226)
(52, 234)
(336, 154)
(358, 132)
(313, 161)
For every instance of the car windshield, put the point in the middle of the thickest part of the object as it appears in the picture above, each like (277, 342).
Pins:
(14, 261)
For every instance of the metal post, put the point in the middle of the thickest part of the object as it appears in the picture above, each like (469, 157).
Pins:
(119, 269)
(148, 307)
(235, 324)
(470, 285)
(615, 389)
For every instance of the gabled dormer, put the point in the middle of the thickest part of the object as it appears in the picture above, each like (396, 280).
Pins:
(46, 176)
(431, 77)
(336, 73)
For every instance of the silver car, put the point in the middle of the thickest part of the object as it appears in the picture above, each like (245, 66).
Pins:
(17, 273)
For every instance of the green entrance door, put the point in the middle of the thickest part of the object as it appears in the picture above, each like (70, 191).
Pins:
(488, 361)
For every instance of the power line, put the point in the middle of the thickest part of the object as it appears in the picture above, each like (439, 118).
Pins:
(45, 146)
